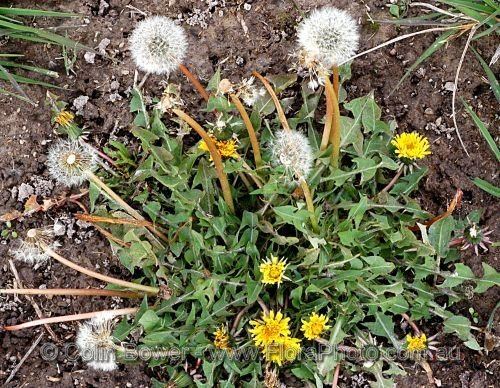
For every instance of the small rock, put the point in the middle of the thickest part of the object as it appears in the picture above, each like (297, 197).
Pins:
(450, 86)
(24, 192)
(428, 111)
(79, 104)
(247, 7)
(59, 228)
(101, 47)
(114, 85)
(393, 52)
(89, 57)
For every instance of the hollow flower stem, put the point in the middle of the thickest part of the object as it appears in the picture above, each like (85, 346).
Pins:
(279, 109)
(309, 203)
(194, 80)
(251, 132)
(124, 205)
(329, 93)
(88, 272)
(393, 181)
(335, 131)
(336, 80)
(69, 318)
(70, 292)
(214, 153)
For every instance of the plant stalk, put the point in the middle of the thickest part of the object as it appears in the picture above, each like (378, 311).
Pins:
(336, 80)
(251, 132)
(335, 131)
(219, 168)
(124, 205)
(393, 181)
(88, 272)
(69, 318)
(70, 292)
(279, 109)
(194, 80)
(329, 91)
(309, 203)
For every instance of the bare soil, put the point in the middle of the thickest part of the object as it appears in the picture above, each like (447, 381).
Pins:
(238, 40)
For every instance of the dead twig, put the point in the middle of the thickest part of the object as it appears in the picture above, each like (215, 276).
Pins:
(25, 357)
(33, 303)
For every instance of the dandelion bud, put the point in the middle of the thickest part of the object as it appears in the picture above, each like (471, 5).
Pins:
(30, 248)
(95, 342)
(329, 36)
(158, 45)
(68, 161)
(292, 150)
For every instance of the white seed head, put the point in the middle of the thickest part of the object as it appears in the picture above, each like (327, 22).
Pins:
(250, 93)
(95, 342)
(292, 150)
(30, 248)
(329, 36)
(158, 45)
(68, 161)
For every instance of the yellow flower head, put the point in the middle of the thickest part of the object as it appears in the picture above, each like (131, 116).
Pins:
(64, 118)
(282, 350)
(226, 148)
(313, 327)
(417, 343)
(411, 146)
(273, 270)
(221, 340)
(272, 327)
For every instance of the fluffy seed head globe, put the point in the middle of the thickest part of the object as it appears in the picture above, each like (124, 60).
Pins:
(291, 149)
(68, 161)
(329, 36)
(95, 342)
(158, 45)
(30, 249)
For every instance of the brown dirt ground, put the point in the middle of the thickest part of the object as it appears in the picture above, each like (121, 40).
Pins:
(271, 28)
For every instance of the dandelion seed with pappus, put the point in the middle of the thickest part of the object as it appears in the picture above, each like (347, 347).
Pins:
(158, 45)
(29, 249)
(95, 342)
(291, 149)
(68, 162)
(328, 37)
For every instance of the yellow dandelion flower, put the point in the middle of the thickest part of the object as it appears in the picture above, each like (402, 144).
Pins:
(282, 350)
(64, 118)
(411, 146)
(273, 270)
(221, 340)
(417, 343)
(226, 148)
(313, 327)
(272, 327)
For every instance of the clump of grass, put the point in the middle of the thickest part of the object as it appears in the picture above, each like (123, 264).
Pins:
(13, 27)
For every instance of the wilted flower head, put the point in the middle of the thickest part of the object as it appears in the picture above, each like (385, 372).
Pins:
(284, 349)
(95, 342)
(328, 36)
(158, 45)
(248, 92)
(30, 248)
(475, 237)
(68, 161)
(292, 150)
(221, 338)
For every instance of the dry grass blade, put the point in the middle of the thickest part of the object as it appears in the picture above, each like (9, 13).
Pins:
(457, 200)
(455, 87)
